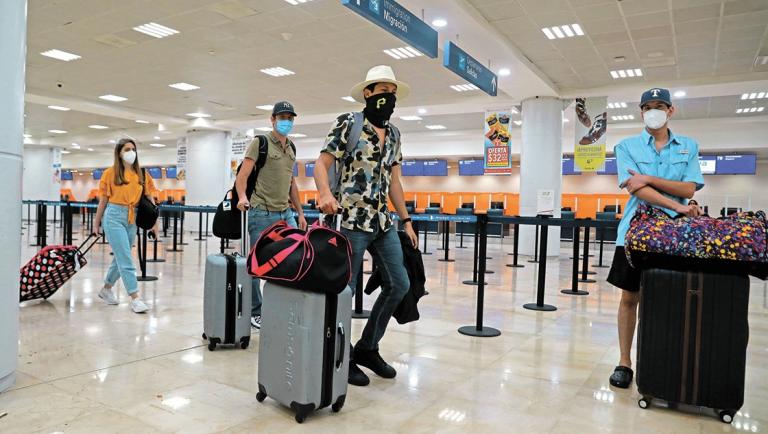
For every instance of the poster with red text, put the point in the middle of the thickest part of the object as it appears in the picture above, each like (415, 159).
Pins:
(498, 149)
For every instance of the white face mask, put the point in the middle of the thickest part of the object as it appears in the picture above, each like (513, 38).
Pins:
(129, 157)
(655, 119)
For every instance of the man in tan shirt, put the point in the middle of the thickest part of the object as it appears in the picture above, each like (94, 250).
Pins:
(275, 187)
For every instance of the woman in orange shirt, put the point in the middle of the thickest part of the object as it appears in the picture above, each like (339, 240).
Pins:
(120, 189)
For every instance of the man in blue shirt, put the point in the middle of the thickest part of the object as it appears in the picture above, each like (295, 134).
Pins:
(661, 169)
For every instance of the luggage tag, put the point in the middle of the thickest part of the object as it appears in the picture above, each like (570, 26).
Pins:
(226, 205)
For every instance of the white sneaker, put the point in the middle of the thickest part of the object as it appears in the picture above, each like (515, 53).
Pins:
(108, 296)
(139, 306)
(256, 322)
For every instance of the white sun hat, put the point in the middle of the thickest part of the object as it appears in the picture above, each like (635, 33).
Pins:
(380, 74)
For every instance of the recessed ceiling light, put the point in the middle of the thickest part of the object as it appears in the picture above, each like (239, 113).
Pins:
(27, 136)
(297, 2)
(90, 149)
(113, 98)
(616, 105)
(297, 135)
(59, 108)
(57, 131)
(156, 30)
(277, 71)
(76, 145)
(157, 145)
(503, 72)
(754, 95)
(518, 123)
(750, 110)
(403, 53)
(184, 86)
(198, 115)
(348, 98)
(464, 87)
(98, 127)
(566, 120)
(265, 107)
(561, 32)
(626, 73)
(439, 22)
(65, 152)
(436, 127)
(140, 121)
(113, 141)
(679, 94)
(422, 111)
(623, 118)
(264, 128)
(60, 55)
(410, 118)
(157, 137)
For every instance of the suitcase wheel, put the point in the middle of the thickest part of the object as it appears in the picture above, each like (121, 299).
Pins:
(300, 417)
(205, 337)
(244, 342)
(644, 403)
(727, 416)
(337, 406)
(212, 346)
(261, 396)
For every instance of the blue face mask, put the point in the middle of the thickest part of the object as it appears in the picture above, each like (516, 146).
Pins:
(283, 126)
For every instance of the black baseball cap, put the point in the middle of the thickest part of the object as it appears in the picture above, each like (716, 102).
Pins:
(656, 94)
(283, 107)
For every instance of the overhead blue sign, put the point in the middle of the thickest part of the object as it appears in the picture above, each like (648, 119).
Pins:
(466, 67)
(399, 21)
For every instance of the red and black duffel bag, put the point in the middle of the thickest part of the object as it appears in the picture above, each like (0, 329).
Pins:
(51, 268)
(318, 260)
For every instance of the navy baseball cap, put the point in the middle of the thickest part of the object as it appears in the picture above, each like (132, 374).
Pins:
(283, 107)
(656, 94)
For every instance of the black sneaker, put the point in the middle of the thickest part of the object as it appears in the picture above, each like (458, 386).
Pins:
(373, 361)
(356, 376)
(621, 377)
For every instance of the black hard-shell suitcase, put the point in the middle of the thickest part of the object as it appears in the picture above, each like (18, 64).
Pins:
(692, 339)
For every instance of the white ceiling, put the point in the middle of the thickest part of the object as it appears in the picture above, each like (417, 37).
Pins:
(709, 46)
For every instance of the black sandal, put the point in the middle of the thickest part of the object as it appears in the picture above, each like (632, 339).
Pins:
(621, 377)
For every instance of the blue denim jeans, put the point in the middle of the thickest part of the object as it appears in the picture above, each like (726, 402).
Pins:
(388, 255)
(258, 220)
(120, 235)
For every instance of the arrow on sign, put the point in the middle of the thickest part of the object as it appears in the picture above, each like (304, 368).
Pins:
(493, 84)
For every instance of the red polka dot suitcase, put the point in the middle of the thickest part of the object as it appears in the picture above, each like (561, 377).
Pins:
(51, 268)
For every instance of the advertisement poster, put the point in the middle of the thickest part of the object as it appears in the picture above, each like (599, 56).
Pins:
(181, 158)
(240, 144)
(590, 127)
(498, 149)
(56, 166)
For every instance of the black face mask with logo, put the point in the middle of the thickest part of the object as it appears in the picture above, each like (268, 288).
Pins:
(379, 108)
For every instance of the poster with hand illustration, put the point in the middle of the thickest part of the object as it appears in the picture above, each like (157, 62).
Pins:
(590, 129)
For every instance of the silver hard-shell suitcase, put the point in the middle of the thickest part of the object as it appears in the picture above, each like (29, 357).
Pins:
(227, 297)
(304, 349)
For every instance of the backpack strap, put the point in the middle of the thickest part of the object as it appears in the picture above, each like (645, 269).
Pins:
(353, 137)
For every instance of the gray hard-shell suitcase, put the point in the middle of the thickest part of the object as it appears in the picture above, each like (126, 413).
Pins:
(304, 349)
(227, 297)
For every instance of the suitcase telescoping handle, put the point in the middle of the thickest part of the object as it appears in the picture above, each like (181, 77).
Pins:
(93, 238)
(239, 301)
(246, 239)
(342, 346)
(336, 219)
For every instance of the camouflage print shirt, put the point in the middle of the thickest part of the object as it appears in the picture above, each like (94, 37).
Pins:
(366, 173)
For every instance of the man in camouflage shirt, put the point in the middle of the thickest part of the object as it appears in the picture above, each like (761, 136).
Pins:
(370, 174)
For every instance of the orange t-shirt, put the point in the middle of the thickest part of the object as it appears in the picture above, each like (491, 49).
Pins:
(126, 194)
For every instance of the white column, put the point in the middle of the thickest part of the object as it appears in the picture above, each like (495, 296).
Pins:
(39, 181)
(13, 47)
(540, 165)
(207, 179)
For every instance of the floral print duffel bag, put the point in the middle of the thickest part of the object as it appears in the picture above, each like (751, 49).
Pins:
(737, 243)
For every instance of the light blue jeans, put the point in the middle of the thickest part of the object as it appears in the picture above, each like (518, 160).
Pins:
(120, 235)
(258, 220)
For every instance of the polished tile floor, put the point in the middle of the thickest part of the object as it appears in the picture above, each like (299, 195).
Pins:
(85, 367)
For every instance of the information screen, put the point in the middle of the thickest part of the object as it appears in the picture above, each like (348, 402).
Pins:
(708, 164)
(170, 173)
(295, 169)
(155, 172)
(471, 168)
(435, 168)
(413, 168)
(569, 167)
(309, 170)
(97, 174)
(66, 175)
(736, 164)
